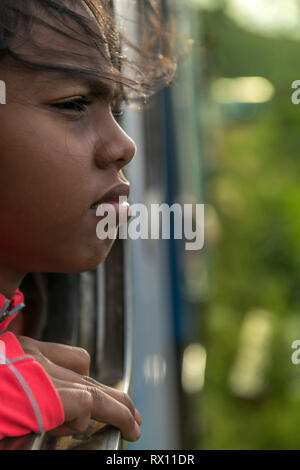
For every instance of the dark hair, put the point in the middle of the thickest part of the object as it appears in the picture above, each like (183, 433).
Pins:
(151, 67)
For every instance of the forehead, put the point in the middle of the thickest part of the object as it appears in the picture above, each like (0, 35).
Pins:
(59, 40)
(61, 43)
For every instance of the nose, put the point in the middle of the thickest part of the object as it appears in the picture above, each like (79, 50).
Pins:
(114, 146)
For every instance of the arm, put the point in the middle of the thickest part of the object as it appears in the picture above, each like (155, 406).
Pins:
(29, 401)
(46, 386)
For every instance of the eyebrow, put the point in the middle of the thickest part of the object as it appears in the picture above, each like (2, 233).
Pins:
(99, 87)
(96, 86)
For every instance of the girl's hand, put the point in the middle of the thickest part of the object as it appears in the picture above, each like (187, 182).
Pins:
(82, 397)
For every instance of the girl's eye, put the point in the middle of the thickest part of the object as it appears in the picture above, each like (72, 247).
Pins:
(74, 105)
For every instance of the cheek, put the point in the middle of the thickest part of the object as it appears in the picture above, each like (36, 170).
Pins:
(46, 174)
(46, 168)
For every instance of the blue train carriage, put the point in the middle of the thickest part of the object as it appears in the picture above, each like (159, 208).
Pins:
(169, 280)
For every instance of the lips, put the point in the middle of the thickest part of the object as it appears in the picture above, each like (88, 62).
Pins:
(113, 195)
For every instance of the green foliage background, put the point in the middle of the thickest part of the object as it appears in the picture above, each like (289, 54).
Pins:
(254, 185)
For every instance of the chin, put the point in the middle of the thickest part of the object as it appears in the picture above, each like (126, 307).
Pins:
(92, 260)
(80, 257)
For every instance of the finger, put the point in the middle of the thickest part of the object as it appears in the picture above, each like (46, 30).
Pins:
(138, 417)
(107, 410)
(120, 396)
(71, 363)
(69, 357)
(117, 394)
(58, 372)
(111, 411)
(67, 375)
(77, 405)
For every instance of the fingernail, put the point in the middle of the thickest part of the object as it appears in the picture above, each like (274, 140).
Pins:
(137, 431)
(138, 417)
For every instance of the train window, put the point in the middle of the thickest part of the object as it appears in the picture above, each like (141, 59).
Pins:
(103, 328)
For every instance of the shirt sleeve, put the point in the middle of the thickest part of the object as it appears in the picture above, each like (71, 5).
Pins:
(28, 400)
(9, 308)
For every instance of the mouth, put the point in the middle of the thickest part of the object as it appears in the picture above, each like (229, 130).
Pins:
(117, 197)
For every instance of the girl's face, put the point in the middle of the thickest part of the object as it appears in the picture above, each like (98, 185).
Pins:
(61, 151)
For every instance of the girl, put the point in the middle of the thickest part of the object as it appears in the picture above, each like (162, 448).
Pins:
(61, 153)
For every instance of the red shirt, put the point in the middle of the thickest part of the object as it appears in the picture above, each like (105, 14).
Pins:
(28, 399)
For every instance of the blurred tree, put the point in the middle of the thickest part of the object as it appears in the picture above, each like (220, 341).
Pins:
(254, 186)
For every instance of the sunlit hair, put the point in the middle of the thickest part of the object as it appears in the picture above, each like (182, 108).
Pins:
(150, 67)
